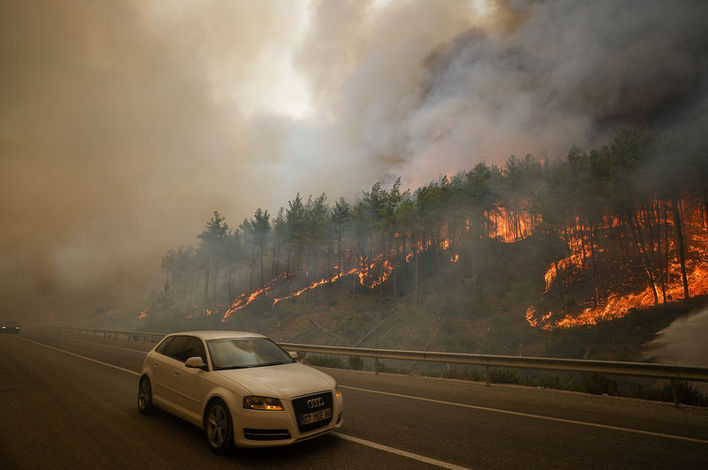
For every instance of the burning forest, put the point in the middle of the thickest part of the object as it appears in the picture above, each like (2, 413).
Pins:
(608, 231)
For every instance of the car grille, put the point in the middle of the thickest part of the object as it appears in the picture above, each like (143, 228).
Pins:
(266, 434)
(322, 401)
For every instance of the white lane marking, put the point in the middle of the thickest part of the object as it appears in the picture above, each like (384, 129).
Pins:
(116, 347)
(82, 357)
(403, 453)
(85, 341)
(529, 415)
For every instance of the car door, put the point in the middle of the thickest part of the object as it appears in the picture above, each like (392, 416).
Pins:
(166, 368)
(157, 361)
(192, 384)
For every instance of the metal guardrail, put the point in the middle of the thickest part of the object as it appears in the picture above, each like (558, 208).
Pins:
(115, 334)
(670, 372)
(639, 369)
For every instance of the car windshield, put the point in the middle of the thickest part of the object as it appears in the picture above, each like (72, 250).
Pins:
(238, 353)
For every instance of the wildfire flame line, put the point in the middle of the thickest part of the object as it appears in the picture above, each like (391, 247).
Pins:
(315, 285)
(363, 273)
(244, 299)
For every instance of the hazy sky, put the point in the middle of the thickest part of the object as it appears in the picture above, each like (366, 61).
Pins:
(124, 124)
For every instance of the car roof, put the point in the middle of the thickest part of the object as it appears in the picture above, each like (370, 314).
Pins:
(217, 334)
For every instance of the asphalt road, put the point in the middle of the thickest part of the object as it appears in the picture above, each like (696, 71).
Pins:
(69, 402)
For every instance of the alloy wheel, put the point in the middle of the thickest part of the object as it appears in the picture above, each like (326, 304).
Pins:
(217, 426)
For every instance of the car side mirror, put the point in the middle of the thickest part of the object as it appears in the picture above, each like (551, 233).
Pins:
(195, 362)
(293, 354)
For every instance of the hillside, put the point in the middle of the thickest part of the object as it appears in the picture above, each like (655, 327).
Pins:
(465, 307)
(578, 257)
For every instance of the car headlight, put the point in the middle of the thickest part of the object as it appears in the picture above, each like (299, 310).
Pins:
(262, 403)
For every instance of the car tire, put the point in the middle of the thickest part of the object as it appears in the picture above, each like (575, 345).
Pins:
(218, 427)
(145, 405)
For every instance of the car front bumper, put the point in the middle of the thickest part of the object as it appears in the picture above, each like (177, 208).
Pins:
(255, 428)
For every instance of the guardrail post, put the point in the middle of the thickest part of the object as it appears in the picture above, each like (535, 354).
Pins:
(486, 373)
(674, 393)
(376, 366)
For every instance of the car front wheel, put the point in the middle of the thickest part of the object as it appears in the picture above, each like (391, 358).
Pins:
(145, 405)
(218, 428)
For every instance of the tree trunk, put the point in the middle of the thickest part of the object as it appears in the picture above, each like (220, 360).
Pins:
(654, 243)
(309, 264)
(287, 264)
(326, 271)
(206, 286)
(666, 242)
(705, 204)
(381, 269)
(593, 259)
(638, 241)
(215, 282)
(581, 229)
(231, 295)
(657, 213)
(274, 260)
(262, 273)
(417, 294)
(250, 279)
(682, 251)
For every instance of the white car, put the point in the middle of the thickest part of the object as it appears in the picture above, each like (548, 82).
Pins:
(241, 388)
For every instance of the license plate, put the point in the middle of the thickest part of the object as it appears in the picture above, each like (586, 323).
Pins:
(315, 416)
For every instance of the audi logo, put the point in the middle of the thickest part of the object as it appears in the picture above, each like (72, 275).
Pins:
(315, 402)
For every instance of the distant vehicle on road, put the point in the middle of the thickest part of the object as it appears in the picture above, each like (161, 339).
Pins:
(241, 389)
(10, 327)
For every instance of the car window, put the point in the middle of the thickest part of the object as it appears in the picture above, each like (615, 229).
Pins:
(194, 347)
(176, 348)
(165, 343)
(236, 353)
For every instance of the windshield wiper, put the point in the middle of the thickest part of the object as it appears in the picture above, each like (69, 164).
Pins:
(252, 366)
(232, 367)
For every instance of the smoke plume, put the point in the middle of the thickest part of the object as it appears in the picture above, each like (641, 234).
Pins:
(683, 341)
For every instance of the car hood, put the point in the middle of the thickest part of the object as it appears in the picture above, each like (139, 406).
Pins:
(282, 381)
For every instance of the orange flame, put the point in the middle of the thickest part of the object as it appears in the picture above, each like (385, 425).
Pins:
(618, 305)
(315, 285)
(510, 226)
(243, 300)
(206, 312)
(142, 315)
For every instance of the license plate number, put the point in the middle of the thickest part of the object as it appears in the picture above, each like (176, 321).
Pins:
(315, 416)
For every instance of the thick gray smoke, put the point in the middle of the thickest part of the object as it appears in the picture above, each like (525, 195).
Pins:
(124, 124)
(533, 78)
(683, 341)
(116, 142)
